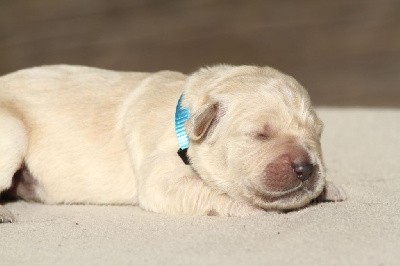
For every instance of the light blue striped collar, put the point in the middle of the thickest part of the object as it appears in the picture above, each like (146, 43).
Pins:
(181, 116)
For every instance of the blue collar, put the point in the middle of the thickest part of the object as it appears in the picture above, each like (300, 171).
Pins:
(181, 116)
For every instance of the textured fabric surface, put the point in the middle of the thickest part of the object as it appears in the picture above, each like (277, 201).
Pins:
(361, 148)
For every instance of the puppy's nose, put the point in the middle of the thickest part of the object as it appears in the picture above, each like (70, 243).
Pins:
(303, 170)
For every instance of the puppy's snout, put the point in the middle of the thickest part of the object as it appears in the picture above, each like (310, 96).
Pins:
(303, 170)
(289, 169)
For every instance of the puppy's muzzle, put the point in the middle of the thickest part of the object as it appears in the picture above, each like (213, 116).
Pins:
(289, 170)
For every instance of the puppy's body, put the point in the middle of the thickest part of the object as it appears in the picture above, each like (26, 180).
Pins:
(75, 128)
(103, 137)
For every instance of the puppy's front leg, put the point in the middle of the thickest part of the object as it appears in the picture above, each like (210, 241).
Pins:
(332, 192)
(181, 191)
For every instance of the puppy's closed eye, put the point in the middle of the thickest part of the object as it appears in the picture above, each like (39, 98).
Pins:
(261, 136)
(258, 135)
(264, 133)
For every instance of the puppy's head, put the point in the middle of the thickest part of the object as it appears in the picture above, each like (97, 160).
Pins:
(254, 136)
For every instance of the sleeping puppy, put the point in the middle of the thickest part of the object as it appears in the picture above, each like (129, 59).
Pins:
(247, 136)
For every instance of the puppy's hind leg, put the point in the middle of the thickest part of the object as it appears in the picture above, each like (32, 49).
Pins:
(13, 146)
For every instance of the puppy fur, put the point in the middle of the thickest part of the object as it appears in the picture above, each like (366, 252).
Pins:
(86, 135)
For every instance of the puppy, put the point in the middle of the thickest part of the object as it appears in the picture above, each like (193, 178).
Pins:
(247, 136)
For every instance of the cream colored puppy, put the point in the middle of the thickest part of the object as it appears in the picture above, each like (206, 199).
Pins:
(72, 134)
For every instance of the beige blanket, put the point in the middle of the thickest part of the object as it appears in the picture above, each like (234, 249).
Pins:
(362, 153)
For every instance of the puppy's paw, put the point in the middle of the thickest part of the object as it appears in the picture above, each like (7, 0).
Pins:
(240, 209)
(236, 209)
(6, 216)
(332, 193)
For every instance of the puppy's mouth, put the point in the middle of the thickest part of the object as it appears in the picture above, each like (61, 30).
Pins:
(272, 193)
(269, 195)
(291, 197)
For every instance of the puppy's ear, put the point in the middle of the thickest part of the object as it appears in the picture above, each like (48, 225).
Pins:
(202, 120)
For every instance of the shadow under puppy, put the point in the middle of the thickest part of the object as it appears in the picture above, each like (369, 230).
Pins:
(248, 140)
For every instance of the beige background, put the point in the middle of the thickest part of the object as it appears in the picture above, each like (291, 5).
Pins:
(346, 52)
(364, 230)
